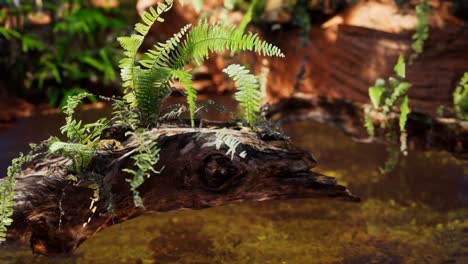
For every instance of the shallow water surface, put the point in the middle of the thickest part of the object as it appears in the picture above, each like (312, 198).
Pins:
(418, 213)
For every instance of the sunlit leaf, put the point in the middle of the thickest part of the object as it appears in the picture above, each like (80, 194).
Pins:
(400, 67)
(375, 94)
(404, 111)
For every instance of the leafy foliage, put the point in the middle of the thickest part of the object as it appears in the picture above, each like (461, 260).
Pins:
(230, 141)
(422, 28)
(460, 98)
(80, 154)
(61, 64)
(248, 94)
(166, 61)
(82, 139)
(385, 98)
(132, 44)
(146, 158)
(7, 193)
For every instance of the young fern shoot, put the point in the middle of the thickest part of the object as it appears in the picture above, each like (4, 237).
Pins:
(387, 97)
(248, 95)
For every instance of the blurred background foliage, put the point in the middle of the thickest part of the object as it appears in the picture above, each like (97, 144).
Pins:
(53, 49)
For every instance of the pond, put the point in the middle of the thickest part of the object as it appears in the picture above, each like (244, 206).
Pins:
(418, 213)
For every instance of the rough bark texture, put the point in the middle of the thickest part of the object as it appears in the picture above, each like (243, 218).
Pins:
(424, 131)
(51, 210)
(343, 62)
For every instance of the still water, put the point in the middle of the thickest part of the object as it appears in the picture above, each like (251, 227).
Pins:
(418, 213)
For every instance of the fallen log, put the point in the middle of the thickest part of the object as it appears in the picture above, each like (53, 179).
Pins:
(53, 213)
(425, 132)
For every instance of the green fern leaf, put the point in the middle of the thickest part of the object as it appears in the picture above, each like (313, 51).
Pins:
(151, 87)
(132, 44)
(160, 55)
(404, 111)
(185, 79)
(205, 38)
(230, 141)
(248, 95)
(7, 193)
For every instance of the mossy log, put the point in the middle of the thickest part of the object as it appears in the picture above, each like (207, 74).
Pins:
(53, 212)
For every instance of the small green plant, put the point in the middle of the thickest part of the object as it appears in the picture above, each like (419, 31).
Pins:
(7, 193)
(230, 141)
(82, 139)
(147, 84)
(146, 158)
(386, 98)
(460, 98)
(248, 94)
(423, 10)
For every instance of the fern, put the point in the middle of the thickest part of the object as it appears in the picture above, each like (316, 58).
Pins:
(80, 154)
(248, 95)
(173, 55)
(165, 62)
(231, 142)
(73, 129)
(205, 38)
(175, 113)
(82, 139)
(185, 79)
(161, 54)
(151, 89)
(132, 44)
(7, 193)
(460, 98)
(422, 29)
(146, 158)
(387, 97)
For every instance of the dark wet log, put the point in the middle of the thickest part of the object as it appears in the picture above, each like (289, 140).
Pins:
(51, 211)
(424, 131)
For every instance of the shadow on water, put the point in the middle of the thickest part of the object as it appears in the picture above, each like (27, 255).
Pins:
(418, 213)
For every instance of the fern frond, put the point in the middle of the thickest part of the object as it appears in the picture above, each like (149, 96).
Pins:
(185, 79)
(132, 44)
(146, 157)
(151, 87)
(160, 55)
(73, 102)
(80, 154)
(205, 38)
(248, 94)
(7, 193)
(231, 142)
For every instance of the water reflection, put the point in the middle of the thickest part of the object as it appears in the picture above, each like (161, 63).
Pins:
(415, 214)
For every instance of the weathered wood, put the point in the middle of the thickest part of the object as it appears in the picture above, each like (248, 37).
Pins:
(424, 131)
(51, 210)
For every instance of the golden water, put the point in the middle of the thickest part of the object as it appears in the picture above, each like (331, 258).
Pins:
(416, 214)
